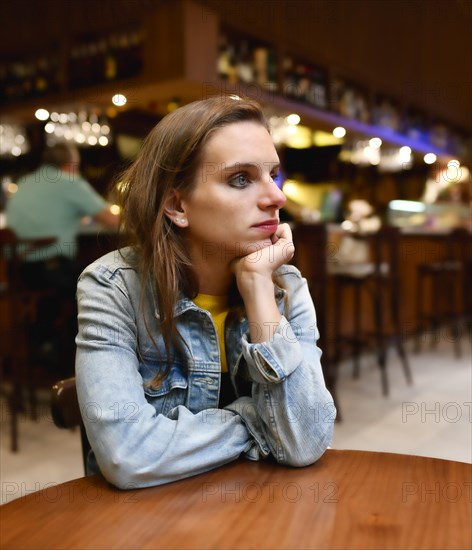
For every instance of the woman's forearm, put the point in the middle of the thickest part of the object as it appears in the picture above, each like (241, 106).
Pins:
(261, 308)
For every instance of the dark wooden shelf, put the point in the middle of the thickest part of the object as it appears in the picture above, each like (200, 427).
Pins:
(179, 62)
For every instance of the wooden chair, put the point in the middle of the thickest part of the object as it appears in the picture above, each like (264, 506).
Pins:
(448, 281)
(66, 413)
(19, 306)
(311, 256)
(378, 278)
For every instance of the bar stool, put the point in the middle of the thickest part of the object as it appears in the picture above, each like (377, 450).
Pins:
(19, 305)
(378, 278)
(449, 283)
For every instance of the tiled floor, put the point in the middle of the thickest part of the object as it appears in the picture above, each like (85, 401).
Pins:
(433, 417)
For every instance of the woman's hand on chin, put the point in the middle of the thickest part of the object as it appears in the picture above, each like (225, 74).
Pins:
(266, 259)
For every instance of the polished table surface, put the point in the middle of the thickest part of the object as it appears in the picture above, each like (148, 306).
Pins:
(348, 499)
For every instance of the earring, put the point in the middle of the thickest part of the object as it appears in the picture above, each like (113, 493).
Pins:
(181, 220)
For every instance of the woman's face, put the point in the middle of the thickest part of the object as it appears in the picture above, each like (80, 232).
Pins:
(233, 208)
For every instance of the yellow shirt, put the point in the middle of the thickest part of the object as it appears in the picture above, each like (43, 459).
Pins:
(217, 306)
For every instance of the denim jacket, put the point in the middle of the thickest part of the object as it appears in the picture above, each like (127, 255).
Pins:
(142, 436)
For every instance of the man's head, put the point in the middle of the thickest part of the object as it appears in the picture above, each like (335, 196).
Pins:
(64, 156)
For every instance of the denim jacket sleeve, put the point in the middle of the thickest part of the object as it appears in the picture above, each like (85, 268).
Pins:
(133, 445)
(290, 401)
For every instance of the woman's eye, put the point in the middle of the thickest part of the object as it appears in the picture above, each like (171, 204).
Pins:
(239, 180)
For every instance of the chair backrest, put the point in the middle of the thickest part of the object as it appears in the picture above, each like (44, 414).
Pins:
(65, 411)
(8, 259)
(13, 252)
(311, 251)
(311, 258)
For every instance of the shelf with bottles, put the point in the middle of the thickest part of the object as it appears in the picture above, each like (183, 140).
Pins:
(421, 127)
(387, 113)
(350, 100)
(153, 60)
(244, 59)
(305, 82)
(33, 77)
(105, 58)
(178, 53)
(90, 61)
(332, 99)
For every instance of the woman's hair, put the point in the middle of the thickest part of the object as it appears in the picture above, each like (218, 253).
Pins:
(168, 160)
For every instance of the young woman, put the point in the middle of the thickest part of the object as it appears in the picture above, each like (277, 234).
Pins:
(197, 344)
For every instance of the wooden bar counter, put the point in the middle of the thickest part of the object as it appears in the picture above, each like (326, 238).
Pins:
(348, 499)
(420, 247)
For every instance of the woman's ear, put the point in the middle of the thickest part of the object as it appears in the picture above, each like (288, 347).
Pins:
(174, 210)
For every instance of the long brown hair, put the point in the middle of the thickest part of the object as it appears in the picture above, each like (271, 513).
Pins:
(168, 160)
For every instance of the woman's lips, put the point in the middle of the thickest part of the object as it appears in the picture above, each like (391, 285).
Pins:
(267, 227)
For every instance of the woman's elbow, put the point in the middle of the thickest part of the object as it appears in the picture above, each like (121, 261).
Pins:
(120, 475)
(126, 474)
(311, 448)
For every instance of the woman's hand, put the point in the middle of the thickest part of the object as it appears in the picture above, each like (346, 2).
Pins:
(254, 278)
(266, 259)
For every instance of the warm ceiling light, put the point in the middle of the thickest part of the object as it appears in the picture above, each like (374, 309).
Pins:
(119, 100)
(430, 158)
(375, 143)
(293, 119)
(339, 132)
(41, 114)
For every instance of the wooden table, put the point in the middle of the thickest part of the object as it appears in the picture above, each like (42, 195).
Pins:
(348, 499)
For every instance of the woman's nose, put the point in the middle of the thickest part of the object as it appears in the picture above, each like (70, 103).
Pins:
(273, 196)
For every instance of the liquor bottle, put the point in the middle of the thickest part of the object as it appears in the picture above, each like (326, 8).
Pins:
(260, 66)
(27, 80)
(232, 75)
(362, 108)
(110, 68)
(244, 67)
(289, 78)
(223, 58)
(348, 103)
(303, 82)
(41, 81)
(272, 76)
(439, 136)
(318, 89)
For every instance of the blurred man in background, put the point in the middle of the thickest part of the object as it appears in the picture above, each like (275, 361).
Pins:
(51, 202)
